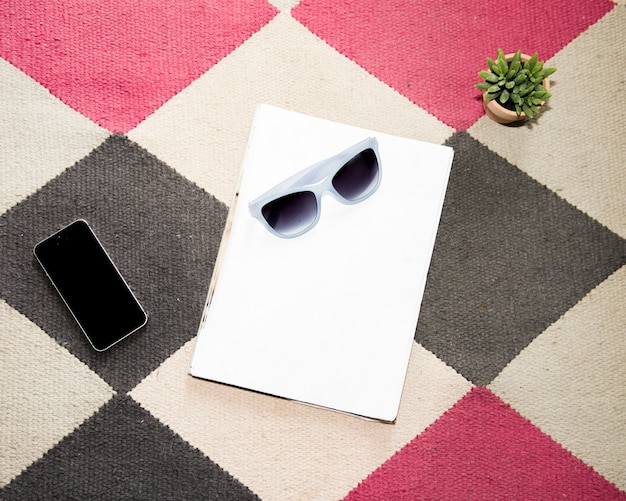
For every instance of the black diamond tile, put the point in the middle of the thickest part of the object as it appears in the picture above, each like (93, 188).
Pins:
(162, 231)
(511, 257)
(124, 453)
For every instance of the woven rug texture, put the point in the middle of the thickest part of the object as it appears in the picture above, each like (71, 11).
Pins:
(135, 115)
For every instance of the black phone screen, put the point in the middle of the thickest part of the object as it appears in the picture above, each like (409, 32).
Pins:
(91, 286)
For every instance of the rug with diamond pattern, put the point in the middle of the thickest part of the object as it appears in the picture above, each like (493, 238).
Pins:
(135, 114)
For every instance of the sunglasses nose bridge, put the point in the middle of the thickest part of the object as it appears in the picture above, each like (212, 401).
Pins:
(320, 186)
(325, 187)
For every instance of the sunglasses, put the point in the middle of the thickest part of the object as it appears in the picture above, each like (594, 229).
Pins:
(292, 207)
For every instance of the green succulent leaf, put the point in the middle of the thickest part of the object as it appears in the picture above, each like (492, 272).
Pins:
(530, 64)
(546, 72)
(504, 66)
(492, 65)
(526, 109)
(488, 76)
(527, 90)
(520, 83)
(521, 78)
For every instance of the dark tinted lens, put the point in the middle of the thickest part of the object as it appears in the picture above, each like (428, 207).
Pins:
(292, 213)
(358, 176)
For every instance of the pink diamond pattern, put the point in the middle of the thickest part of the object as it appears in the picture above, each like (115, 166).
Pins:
(117, 61)
(427, 50)
(482, 449)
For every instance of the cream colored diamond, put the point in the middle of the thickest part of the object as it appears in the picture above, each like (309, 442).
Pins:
(571, 380)
(202, 132)
(285, 450)
(577, 147)
(284, 5)
(54, 393)
(40, 138)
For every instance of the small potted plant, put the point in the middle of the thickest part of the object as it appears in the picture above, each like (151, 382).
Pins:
(514, 87)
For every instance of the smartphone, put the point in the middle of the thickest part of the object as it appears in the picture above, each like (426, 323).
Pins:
(90, 284)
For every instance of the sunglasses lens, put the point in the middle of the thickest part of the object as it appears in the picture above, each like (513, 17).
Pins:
(291, 214)
(357, 178)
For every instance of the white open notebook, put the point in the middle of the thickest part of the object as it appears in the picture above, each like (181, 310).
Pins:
(327, 318)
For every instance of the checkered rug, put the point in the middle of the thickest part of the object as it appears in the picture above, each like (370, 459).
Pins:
(134, 115)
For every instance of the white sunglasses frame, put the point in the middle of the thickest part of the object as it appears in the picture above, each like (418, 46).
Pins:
(316, 179)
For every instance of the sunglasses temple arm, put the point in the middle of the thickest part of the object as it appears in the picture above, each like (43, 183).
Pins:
(314, 173)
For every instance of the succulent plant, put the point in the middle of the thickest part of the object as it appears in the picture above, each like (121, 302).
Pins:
(517, 85)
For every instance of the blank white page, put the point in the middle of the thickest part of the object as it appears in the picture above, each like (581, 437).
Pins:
(327, 318)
